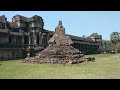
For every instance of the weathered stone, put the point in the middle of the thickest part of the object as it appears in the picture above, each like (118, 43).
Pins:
(60, 50)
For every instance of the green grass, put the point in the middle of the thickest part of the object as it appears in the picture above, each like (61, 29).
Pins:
(106, 66)
(103, 55)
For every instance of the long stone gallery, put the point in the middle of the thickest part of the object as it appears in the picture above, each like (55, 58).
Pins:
(26, 37)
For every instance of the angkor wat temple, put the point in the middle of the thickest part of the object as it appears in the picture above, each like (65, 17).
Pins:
(26, 36)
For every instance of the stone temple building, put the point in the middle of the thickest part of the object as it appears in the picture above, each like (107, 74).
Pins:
(25, 36)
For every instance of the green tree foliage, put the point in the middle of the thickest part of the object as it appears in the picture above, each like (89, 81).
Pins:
(115, 39)
(108, 45)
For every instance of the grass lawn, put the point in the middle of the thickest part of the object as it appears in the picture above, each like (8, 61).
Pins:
(106, 66)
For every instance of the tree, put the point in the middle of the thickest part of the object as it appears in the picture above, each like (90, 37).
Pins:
(107, 45)
(115, 39)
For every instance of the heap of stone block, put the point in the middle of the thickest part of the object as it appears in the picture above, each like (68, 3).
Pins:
(60, 50)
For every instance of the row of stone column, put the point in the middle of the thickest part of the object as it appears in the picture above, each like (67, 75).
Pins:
(37, 38)
(85, 46)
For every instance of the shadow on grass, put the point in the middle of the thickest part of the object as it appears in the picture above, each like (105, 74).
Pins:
(9, 59)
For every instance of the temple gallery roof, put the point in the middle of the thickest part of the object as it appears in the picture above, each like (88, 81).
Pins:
(20, 17)
(26, 19)
(13, 25)
(95, 35)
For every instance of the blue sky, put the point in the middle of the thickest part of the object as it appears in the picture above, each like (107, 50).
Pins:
(76, 22)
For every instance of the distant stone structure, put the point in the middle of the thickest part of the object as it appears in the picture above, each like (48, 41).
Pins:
(25, 36)
(60, 50)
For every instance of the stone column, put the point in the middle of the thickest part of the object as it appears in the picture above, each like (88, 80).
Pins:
(34, 37)
(47, 38)
(29, 40)
(14, 40)
(83, 46)
(40, 38)
(44, 38)
(28, 53)
(5, 26)
(23, 39)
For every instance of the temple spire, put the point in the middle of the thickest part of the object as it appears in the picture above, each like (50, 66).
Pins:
(60, 23)
(60, 28)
